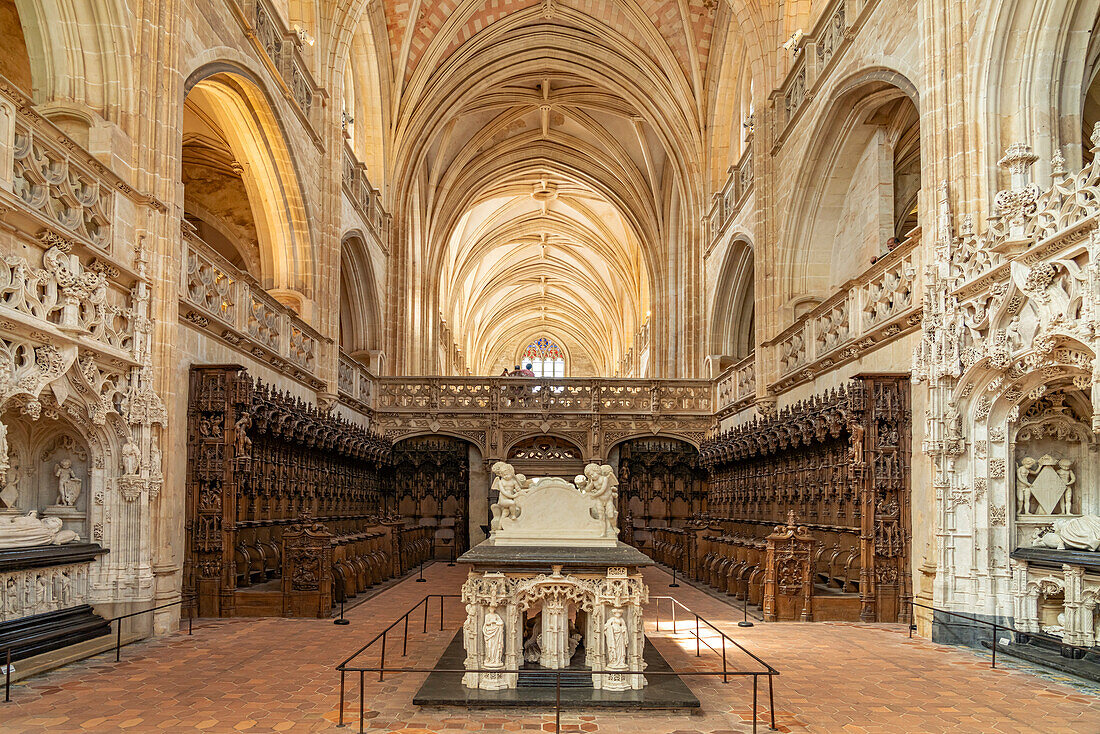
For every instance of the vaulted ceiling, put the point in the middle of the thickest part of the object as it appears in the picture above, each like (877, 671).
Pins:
(545, 167)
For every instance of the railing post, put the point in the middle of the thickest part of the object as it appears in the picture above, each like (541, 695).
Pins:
(557, 703)
(342, 674)
(118, 641)
(405, 642)
(425, 615)
(7, 678)
(994, 662)
(771, 699)
(440, 612)
(698, 652)
(755, 677)
(725, 678)
(381, 667)
(361, 695)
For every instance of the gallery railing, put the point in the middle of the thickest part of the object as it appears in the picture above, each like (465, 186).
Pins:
(228, 303)
(737, 385)
(346, 666)
(878, 306)
(727, 203)
(816, 57)
(561, 396)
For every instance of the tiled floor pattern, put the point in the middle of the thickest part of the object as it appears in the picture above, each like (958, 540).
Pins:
(276, 675)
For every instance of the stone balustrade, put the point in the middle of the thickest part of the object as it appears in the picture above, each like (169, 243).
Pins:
(282, 48)
(736, 386)
(728, 202)
(875, 307)
(366, 199)
(232, 306)
(816, 56)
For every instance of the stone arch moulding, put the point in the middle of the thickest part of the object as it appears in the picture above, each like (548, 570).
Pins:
(250, 117)
(81, 50)
(732, 294)
(543, 434)
(691, 441)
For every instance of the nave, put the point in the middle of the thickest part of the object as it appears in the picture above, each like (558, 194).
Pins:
(278, 674)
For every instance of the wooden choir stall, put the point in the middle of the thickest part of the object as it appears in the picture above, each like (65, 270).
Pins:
(808, 509)
(286, 503)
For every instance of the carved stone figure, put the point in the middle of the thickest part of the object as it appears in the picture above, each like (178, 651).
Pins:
(131, 459)
(1048, 487)
(3, 447)
(11, 597)
(155, 460)
(492, 630)
(9, 495)
(601, 485)
(66, 595)
(1068, 478)
(615, 638)
(1023, 485)
(26, 531)
(1081, 533)
(68, 483)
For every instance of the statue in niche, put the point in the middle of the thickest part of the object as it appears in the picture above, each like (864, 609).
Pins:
(155, 461)
(508, 485)
(11, 597)
(1076, 533)
(952, 423)
(1068, 478)
(65, 582)
(242, 443)
(26, 531)
(1023, 485)
(1012, 333)
(492, 629)
(131, 459)
(9, 495)
(3, 447)
(41, 591)
(68, 483)
(614, 635)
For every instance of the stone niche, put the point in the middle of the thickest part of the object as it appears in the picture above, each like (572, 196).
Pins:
(1053, 469)
(49, 472)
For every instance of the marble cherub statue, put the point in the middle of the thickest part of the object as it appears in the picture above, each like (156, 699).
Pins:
(508, 486)
(601, 484)
(1023, 485)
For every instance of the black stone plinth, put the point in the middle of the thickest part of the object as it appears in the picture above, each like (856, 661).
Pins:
(1052, 558)
(541, 558)
(41, 556)
(41, 633)
(662, 692)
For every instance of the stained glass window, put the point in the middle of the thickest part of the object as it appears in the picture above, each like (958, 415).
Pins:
(545, 357)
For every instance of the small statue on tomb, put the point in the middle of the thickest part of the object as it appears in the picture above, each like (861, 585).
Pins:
(492, 630)
(41, 592)
(602, 484)
(1023, 485)
(131, 459)
(68, 483)
(11, 597)
(66, 596)
(614, 635)
(9, 495)
(3, 447)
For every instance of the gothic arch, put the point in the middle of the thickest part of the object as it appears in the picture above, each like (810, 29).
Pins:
(81, 53)
(238, 108)
(873, 115)
(732, 314)
(360, 299)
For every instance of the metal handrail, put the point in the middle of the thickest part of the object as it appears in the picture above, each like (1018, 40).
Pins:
(118, 640)
(345, 666)
(698, 619)
(994, 625)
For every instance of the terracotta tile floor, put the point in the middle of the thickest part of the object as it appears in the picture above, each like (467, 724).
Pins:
(275, 675)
